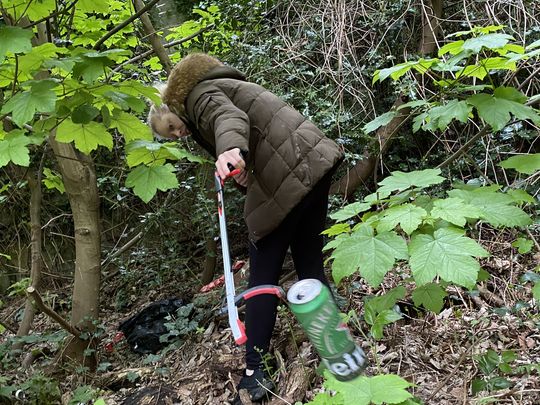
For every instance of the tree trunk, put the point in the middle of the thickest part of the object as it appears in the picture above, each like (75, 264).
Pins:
(34, 183)
(363, 170)
(365, 167)
(79, 177)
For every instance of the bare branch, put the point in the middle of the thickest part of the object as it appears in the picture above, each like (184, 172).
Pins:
(109, 34)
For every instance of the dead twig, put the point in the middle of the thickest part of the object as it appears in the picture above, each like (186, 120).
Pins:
(34, 294)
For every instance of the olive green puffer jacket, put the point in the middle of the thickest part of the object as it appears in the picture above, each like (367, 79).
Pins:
(286, 153)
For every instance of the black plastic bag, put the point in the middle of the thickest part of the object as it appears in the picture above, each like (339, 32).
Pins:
(142, 330)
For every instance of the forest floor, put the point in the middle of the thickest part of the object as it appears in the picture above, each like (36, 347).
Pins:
(440, 354)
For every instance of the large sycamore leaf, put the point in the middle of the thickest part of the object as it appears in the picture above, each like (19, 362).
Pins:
(448, 254)
(350, 210)
(13, 149)
(87, 137)
(494, 206)
(40, 98)
(454, 210)
(496, 109)
(33, 60)
(155, 154)
(146, 180)
(93, 6)
(439, 117)
(430, 296)
(490, 41)
(15, 40)
(373, 255)
(380, 389)
(324, 398)
(408, 216)
(399, 181)
(527, 164)
(396, 71)
(33, 9)
(130, 126)
(380, 121)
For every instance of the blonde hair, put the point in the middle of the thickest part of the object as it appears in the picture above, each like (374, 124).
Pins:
(184, 76)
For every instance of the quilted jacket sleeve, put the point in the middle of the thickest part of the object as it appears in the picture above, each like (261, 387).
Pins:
(218, 115)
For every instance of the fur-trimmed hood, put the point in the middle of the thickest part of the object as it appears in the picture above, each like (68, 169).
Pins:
(190, 71)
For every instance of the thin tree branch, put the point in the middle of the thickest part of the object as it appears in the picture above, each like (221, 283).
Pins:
(52, 15)
(155, 41)
(125, 23)
(32, 292)
(465, 147)
(128, 244)
(166, 46)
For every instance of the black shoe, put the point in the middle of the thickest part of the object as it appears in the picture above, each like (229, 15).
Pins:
(257, 385)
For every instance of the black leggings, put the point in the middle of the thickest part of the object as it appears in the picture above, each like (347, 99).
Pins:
(301, 230)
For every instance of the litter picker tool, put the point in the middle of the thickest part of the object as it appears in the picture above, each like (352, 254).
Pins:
(237, 327)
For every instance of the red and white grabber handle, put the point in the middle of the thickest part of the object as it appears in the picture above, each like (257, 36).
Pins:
(237, 327)
(257, 290)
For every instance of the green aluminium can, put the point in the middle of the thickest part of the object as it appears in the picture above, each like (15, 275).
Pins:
(314, 307)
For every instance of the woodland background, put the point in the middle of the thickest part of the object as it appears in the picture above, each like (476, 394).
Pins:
(433, 234)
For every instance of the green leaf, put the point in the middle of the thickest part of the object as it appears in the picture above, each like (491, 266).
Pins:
(395, 72)
(125, 101)
(527, 164)
(93, 6)
(523, 245)
(350, 210)
(130, 126)
(32, 61)
(386, 301)
(374, 255)
(448, 254)
(135, 88)
(490, 41)
(495, 207)
(87, 137)
(53, 181)
(496, 109)
(155, 153)
(90, 67)
(536, 291)
(387, 388)
(145, 180)
(534, 45)
(418, 178)
(324, 398)
(13, 149)
(453, 48)
(14, 40)
(40, 98)
(521, 196)
(83, 114)
(440, 117)
(379, 121)
(408, 216)
(430, 296)
(454, 210)
(488, 362)
(337, 229)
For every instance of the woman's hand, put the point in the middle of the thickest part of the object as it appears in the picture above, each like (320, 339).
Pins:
(233, 158)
